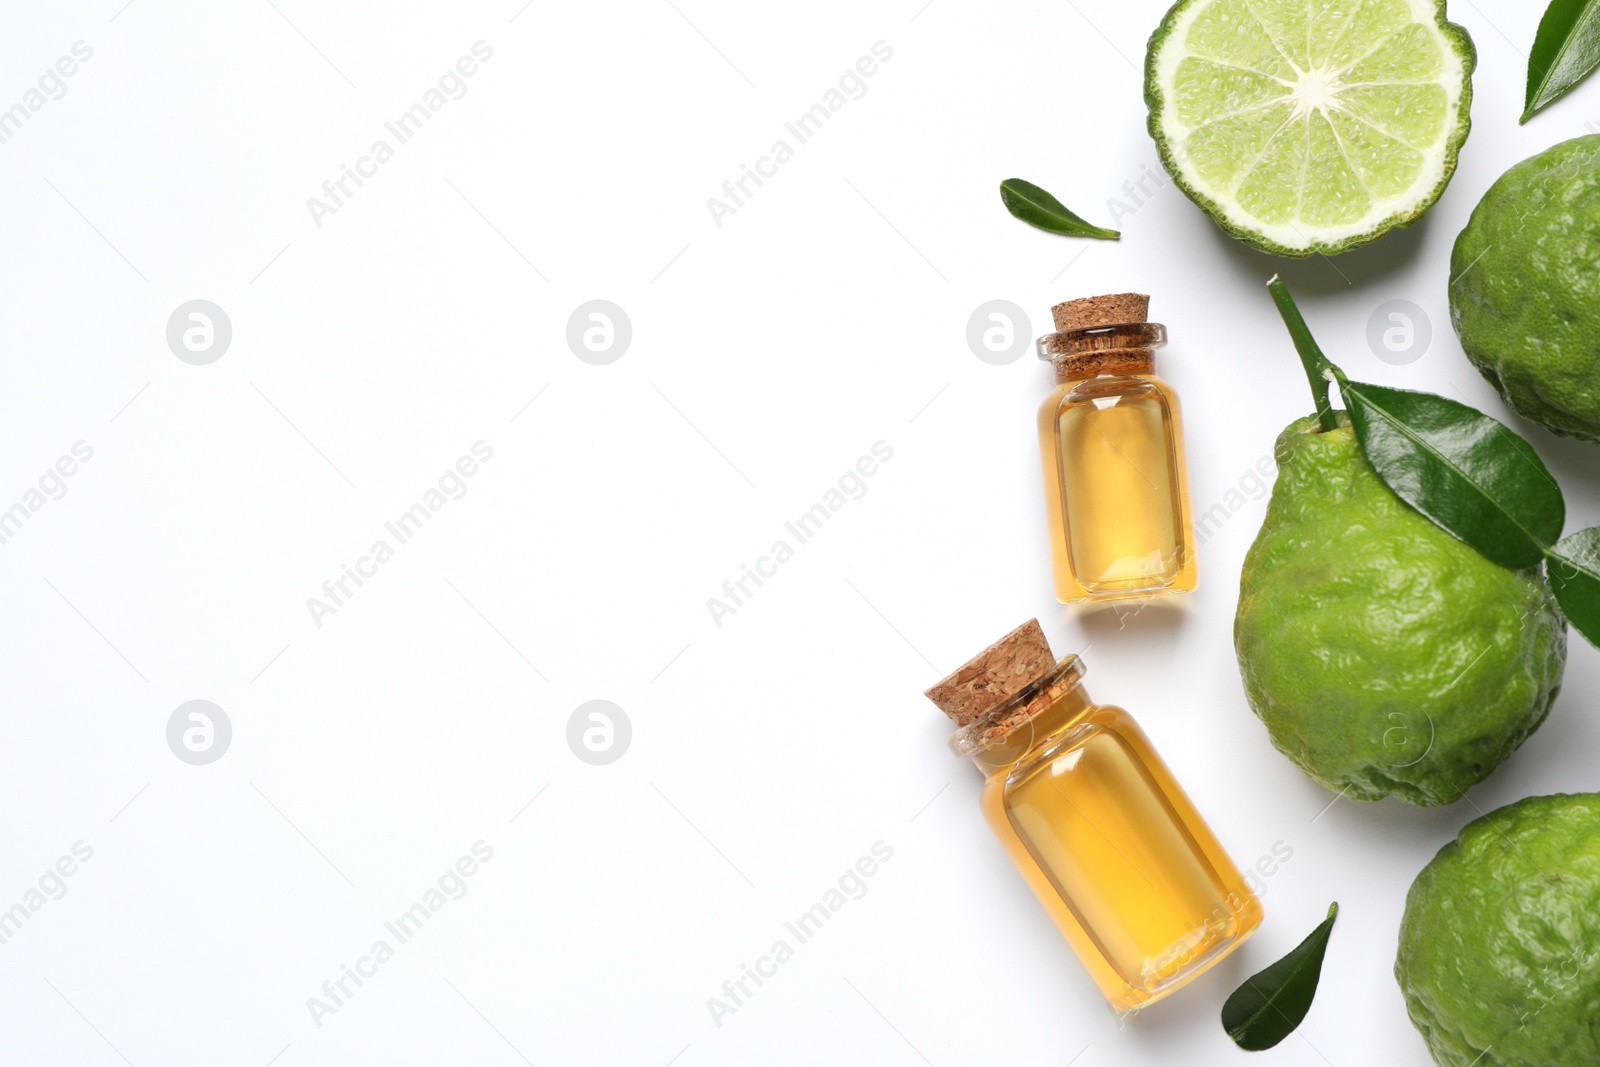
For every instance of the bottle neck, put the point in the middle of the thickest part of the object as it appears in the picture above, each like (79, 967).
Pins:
(1030, 719)
(1088, 353)
(1133, 361)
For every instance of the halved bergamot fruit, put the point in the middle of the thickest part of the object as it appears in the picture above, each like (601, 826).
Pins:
(1305, 126)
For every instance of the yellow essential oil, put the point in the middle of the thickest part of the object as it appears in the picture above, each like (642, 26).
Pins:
(1092, 817)
(1111, 445)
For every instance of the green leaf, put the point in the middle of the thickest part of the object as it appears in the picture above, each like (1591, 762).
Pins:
(1038, 208)
(1474, 477)
(1573, 567)
(1268, 1007)
(1565, 50)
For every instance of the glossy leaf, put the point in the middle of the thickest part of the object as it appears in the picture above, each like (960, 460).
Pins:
(1268, 1007)
(1038, 208)
(1565, 50)
(1473, 476)
(1573, 567)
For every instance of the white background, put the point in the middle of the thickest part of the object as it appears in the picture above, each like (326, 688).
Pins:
(768, 354)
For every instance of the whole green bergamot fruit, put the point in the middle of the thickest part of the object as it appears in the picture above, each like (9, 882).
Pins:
(1525, 295)
(1499, 954)
(1385, 657)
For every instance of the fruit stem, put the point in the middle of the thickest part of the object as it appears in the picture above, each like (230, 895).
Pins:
(1319, 372)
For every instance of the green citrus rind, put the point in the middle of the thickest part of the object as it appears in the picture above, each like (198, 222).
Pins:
(1522, 288)
(1232, 221)
(1385, 657)
(1499, 953)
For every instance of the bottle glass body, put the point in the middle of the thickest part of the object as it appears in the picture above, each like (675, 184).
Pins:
(1110, 844)
(1116, 486)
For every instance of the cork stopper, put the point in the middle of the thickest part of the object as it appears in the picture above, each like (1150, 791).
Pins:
(995, 675)
(1123, 341)
(1091, 311)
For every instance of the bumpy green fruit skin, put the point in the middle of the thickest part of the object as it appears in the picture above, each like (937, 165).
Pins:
(1385, 657)
(1525, 299)
(1499, 954)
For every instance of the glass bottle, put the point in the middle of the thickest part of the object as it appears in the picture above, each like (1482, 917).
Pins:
(1115, 484)
(1091, 816)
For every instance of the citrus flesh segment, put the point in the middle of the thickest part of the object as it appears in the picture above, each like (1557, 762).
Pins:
(1412, 55)
(1330, 24)
(1385, 166)
(1414, 114)
(1308, 126)
(1226, 150)
(1332, 194)
(1375, 21)
(1228, 33)
(1271, 190)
